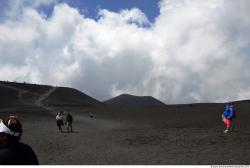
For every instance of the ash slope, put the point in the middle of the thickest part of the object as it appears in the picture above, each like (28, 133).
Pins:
(177, 134)
(23, 94)
(64, 96)
(190, 134)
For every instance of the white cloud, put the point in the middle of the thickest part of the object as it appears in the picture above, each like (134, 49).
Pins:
(14, 8)
(191, 53)
(132, 16)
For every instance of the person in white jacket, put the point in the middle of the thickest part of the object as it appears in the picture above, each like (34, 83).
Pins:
(59, 121)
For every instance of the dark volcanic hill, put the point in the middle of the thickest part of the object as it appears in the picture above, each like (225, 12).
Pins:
(63, 96)
(126, 100)
(33, 88)
(13, 93)
(8, 96)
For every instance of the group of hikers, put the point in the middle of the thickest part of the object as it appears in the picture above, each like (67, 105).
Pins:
(60, 121)
(14, 152)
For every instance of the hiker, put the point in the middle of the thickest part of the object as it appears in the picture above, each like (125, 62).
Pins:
(228, 116)
(59, 121)
(92, 116)
(69, 121)
(12, 151)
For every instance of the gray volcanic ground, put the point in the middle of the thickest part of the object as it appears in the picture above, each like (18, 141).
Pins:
(138, 135)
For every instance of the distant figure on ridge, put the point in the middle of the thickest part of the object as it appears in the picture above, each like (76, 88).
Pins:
(12, 151)
(69, 121)
(228, 116)
(59, 121)
(92, 116)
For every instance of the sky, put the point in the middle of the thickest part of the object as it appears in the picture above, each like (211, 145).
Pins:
(184, 51)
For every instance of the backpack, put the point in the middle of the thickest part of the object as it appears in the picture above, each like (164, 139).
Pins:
(234, 113)
(231, 113)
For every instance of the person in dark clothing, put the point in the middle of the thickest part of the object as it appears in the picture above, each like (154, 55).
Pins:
(92, 116)
(12, 151)
(69, 121)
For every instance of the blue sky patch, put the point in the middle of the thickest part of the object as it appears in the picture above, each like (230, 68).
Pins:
(90, 7)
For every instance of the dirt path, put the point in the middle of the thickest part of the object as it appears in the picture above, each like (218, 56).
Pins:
(43, 97)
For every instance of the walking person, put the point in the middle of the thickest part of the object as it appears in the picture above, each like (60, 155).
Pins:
(228, 116)
(59, 121)
(92, 116)
(69, 121)
(12, 151)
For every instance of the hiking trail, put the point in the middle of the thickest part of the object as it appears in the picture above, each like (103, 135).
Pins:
(43, 97)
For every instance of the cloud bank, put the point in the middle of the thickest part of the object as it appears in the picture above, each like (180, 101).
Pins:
(195, 51)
